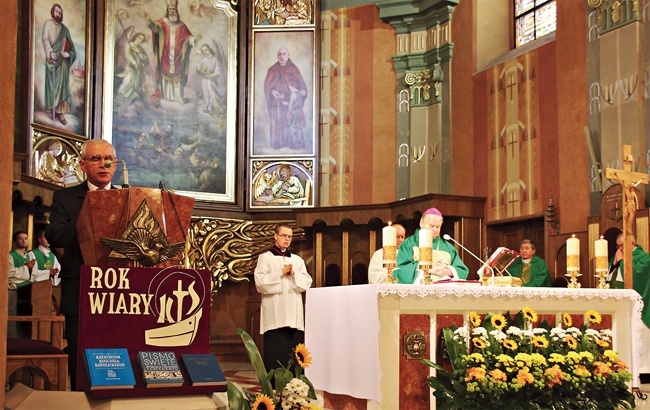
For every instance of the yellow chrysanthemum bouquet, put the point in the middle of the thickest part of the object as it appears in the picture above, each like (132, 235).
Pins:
(292, 390)
(501, 362)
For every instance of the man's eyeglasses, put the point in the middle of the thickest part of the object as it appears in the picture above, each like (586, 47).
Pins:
(285, 236)
(96, 159)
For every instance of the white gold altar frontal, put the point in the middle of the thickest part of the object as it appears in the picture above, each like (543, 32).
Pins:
(353, 332)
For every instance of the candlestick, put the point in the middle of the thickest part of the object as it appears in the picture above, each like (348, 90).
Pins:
(573, 254)
(600, 248)
(426, 238)
(389, 235)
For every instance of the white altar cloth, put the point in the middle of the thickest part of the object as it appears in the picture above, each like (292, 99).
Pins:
(353, 335)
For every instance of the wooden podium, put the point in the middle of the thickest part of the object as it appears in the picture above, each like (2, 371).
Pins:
(133, 293)
(144, 221)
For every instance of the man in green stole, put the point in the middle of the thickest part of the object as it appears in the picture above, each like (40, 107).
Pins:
(445, 258)
(20, 266)
(47, 265)
(529, 267)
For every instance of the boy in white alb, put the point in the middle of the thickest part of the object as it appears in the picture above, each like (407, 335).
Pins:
(281, 277)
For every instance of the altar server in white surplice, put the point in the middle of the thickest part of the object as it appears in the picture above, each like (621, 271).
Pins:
(281, 277)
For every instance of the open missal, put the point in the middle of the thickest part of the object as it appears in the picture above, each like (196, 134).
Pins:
(160, 369)
(109, 369)
(203, 370)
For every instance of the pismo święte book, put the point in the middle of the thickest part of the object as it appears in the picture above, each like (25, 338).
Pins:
(160, 369)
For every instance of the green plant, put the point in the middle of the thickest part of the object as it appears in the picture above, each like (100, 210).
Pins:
(501, 362)
(291, 389)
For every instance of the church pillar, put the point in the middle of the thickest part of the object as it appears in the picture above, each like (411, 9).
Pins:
(9, 9)
(618, 62)
(423, 72)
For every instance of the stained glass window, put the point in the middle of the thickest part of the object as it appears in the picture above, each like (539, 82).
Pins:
(533, 19)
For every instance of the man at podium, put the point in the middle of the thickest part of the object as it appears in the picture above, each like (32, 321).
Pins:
(98, 161)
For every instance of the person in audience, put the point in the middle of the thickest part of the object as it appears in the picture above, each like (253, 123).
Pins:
(47, 265)
(376, 271)
(98, 162)
(640, 283)
(20, 267)
(529, 267)
(281, 277)
(445, 258)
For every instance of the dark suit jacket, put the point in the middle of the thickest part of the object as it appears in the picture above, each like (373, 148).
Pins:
(62, 233)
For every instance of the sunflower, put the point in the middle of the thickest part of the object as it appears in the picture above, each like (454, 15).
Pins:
(498, 321)
(510, 344)
(540, 342)
(571, 342)
(263, 402)
(602, 343)
(529, 314)
(474, 319)
(303, 357)
(593, 317)
(566, 320)
(479, 343)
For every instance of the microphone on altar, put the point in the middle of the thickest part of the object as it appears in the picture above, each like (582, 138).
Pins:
(446, 237)
(125, 171)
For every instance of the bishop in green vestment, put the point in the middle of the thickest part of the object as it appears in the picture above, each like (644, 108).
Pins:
(446, 261)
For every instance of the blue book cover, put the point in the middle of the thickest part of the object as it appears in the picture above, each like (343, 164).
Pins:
(160, 369)
(109, 369)
(203, 370)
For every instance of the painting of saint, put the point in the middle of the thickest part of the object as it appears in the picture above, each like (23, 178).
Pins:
(59, 65)
(170, 101)
(283, 111)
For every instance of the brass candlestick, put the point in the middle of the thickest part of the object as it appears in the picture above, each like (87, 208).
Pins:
(573, 269)
(425, 264)
(390, 263)
(601, 272)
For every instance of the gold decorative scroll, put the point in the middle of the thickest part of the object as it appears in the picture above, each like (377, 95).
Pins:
(229, 247)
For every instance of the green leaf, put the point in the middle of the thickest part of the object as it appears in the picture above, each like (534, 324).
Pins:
(236, 399)
(312, 391)
(257, 362)
(282, 378)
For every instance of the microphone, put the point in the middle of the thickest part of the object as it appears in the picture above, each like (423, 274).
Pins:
(125, 171)
(446, 237)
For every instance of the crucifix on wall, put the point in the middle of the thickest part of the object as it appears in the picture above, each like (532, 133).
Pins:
(628, 180)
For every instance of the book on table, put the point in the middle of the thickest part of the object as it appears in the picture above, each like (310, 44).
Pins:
(203, 370)
(160, 369)
(109, 369)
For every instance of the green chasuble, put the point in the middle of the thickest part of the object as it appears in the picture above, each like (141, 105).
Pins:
(533, 275)
(641, 279)
(407, 267)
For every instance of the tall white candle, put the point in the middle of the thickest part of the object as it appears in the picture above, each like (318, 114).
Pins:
(426, 238)
(389, 235)
(573, 246)
(600, 247)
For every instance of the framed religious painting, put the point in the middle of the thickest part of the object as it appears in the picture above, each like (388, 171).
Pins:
(284, 97)
(170, 94)
(282, 184)
(60, 58)
(289, 13)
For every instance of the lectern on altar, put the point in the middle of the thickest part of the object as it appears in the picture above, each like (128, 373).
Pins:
(134, 293)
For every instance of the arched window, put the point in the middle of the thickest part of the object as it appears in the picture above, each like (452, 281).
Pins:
(533, 19)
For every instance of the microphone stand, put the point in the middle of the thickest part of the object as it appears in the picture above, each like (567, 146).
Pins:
(484, 265)
(125, 171)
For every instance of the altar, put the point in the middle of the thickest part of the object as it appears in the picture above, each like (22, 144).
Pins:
(357, 334)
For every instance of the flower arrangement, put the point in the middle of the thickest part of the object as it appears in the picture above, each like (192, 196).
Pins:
(292, 389)
(501, 362)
